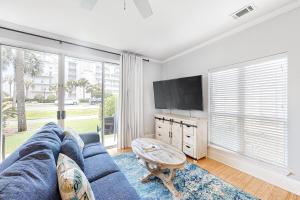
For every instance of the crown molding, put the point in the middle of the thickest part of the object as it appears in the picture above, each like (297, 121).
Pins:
(238, 29)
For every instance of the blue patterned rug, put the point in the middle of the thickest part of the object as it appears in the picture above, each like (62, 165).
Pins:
(193, 182)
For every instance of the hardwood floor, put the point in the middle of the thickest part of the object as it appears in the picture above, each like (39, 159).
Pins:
(248, 183)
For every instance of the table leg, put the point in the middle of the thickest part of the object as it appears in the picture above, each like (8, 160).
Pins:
(167, 179)
(168, 182)
(145, 179)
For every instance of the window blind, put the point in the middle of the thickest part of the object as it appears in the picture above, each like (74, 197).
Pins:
(248, 109)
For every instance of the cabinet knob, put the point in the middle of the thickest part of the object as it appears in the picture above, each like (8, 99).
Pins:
(188, 146)
(188, 136)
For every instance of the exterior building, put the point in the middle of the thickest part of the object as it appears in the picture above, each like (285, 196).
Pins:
(45, 84)
(75, 69)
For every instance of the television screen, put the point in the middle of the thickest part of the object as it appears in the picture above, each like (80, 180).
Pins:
(187, 93)
(160, 97)
(182, 93)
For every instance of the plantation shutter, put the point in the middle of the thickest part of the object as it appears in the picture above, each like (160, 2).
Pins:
(248, 109)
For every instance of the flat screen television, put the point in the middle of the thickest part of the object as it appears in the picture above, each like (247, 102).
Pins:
(181, 93)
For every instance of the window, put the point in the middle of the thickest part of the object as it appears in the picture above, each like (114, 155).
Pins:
(30, 91)
(248, 109)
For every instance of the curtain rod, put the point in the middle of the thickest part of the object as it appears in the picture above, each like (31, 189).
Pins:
(62, 41)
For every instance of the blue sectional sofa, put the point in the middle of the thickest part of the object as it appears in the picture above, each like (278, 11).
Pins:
(30, 172)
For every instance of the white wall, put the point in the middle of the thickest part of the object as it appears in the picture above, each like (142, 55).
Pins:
(281, 34)
(152, 72)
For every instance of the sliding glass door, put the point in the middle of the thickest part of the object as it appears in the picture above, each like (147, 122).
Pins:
(29, 91)
(91, 97)
(83, 95)
(111, 103)
(35, 85)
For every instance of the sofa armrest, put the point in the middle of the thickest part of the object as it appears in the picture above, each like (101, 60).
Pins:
(89, 138)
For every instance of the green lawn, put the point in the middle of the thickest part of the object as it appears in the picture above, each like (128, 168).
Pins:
(52, 114)
(82, 126)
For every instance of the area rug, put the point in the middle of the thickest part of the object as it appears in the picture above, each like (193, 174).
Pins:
(193, 181)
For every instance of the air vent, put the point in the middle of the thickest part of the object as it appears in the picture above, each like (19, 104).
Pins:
(245, 10)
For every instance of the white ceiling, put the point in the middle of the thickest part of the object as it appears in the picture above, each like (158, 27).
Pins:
(175, 26)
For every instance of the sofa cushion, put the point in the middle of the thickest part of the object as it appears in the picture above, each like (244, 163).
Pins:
(114, 186)
(48, 135)
(32, 146)
(93, 149)
(31, 177)
(71, 149)
(89, 138)
(10, 160)
(76, 136)
(54, 128)
(48, 138)
(98, 166)
(72, 182)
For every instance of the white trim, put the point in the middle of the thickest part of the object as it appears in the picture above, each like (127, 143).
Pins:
(241, 28)
(260, 170)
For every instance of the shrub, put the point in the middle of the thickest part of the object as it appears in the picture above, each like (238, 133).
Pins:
(110, 105)
(39, 98)
(83, 100)
(51, 98)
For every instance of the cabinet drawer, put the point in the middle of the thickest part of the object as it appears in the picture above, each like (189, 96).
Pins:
(188, 149)
(189, 139)
(159, 135)
(188, 130)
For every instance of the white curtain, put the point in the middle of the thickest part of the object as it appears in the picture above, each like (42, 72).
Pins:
(131, 99)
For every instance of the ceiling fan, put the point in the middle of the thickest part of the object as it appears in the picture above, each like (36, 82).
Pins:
(143, 6)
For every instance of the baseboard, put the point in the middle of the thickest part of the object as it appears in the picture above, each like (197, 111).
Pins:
(257, 169)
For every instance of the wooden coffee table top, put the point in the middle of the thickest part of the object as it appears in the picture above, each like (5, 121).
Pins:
(158, 152)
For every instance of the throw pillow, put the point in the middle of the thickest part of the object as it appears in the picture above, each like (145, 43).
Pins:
(71, 149)
(72, 182)
(76, 136)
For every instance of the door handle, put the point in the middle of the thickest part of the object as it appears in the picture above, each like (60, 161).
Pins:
(188, 146)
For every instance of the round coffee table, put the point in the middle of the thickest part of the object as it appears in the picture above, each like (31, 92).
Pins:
(159, 156)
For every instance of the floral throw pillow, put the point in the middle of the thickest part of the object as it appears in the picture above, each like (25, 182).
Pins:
(72, 182)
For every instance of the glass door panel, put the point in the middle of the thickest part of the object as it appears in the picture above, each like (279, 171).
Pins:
(111, 103)
(83, 95)
(29, 93)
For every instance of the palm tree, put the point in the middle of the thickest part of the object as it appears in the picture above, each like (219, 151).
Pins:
(25, 62)
(10, 80)
(83, 83)
(54, 88)
(8, 112)
(19, 77)
(70, 87)
(28, 83)
(94, 90)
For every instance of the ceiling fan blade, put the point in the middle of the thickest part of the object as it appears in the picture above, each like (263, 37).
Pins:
(88, 4)
(144, 7)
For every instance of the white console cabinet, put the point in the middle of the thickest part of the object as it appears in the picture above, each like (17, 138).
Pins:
(185, 133)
